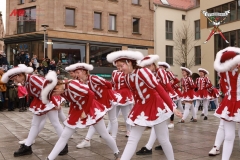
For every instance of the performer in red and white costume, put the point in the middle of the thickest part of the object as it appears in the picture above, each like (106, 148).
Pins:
(188, 93)
(153, 105)
(203, 84)
(34, 85)
(126, 103)
(227, 64)
(85, 111)
(149, 62)
(172, 81)
(104, 94)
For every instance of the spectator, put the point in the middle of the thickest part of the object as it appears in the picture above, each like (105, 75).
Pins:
(30, 64)
(40, 69)
(3, 90)
(4, 62)
(47, 60)
(22, 58)
(59, 65)
(45, 66)
(27, 59)
(16, 59)
(52, 65)
(35, 72)
(11, 95)
(35, 61)
(22, 94)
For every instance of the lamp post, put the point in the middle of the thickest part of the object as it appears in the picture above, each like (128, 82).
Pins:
(45, 28)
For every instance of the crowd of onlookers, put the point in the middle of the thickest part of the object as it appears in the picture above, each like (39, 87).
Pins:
(14, 96)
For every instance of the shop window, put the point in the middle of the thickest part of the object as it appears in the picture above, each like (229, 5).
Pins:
(27, 22)
(68, 53)
(98, 55)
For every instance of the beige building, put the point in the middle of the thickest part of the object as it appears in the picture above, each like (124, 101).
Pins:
(1, 33)
(85, 31)
(171, 15)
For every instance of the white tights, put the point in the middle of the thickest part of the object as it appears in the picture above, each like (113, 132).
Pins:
(38, 123)
(61, 115)
(125, 112)
(220, 135)
(161, 130)
(114, 125)
(229, 131)
(179, 104)
(186, 111)
(68, 132)
(151, 140)
(205, 106)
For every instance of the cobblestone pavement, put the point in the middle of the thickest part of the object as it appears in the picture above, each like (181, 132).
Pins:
(190, 140)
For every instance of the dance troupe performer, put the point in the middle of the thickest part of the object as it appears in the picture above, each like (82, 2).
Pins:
(149, 62)
(227, 64)
(104, 94)
(188, 93)
(85, 110)
(171, 80)
(34, 85)
(152, 107)
(203, 84)
(126, 103)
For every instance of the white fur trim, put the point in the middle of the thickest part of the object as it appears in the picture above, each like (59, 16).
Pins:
(227, 65)
(164, 64)
(51, 76)
(22, 68)
(151, 60)
(71, 67)
(124, 54)
(186, 69)
(85, 66)
(202, 69)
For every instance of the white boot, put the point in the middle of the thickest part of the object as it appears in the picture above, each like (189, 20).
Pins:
(23, 141)
(214, 152)
(171, 125)
(84, 144)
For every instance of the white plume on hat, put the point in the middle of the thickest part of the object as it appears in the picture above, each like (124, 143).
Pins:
(150, 59)
(187, 70)
(124, 54)
(204, 70)
(51, 80)
(164, 64)
(21, 68)
(76, 66)
(229, 61)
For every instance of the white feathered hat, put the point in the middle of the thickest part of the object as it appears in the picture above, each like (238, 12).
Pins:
(165, 64)
(124, 54)
(226, 59)
(187, 70)
(77, 66)
(150, 59)
(203, 70)
(21, 68)
(48, 86)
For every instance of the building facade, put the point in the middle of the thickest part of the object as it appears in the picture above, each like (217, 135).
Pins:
(85, 30)
(1, 33)
(189, 13)
(177, 34)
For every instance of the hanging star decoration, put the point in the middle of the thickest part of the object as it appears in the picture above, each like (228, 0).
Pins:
(216, 19)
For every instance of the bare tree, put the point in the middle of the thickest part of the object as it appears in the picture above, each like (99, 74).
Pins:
(184, 43)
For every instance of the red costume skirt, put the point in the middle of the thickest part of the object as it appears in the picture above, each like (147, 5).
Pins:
(127, 97)
(215, 93)
(228, 110)
(38, 108)
(203, 94)
(152, 112)
(82, 118)
(109, 98)
(190, 95)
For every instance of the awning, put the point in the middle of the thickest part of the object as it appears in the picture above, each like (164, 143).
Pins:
(23, 38)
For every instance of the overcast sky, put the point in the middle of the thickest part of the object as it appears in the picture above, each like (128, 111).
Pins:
(3, 9)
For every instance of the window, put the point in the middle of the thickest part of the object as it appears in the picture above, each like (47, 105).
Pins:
(233, 12)
(97, 20)
(32, 0)
(169, 55)
(183, 41)
(198, 55)
(27, 22)
(197, 29)
(169, 30)
(135, 23)
(112, 22)
(70, 17)
(183, 17)
(135, 2)
(21, 1)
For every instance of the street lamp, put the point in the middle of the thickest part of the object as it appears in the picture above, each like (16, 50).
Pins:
(45, 28)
